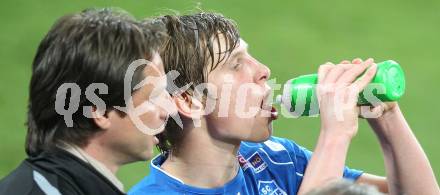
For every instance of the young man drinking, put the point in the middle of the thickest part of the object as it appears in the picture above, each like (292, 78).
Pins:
(78, 134)
(225, 146)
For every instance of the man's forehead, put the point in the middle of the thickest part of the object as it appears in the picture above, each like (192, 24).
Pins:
(242, 46)
(154, 81)
(155, 66)
(222, 41)
(240, 49)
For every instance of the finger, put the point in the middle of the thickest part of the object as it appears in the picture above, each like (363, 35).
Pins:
(357, 61)
(345, 62)
(336, 72)
(350, 75)
(378, 110)
(323, 70)
(361, 83)
(370, 112)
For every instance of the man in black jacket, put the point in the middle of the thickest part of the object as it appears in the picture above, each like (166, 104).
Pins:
(86, 118)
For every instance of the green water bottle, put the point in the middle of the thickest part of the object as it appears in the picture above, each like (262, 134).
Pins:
(299, 94)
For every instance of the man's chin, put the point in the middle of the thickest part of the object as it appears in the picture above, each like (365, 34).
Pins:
(145, 156)
(263, 136)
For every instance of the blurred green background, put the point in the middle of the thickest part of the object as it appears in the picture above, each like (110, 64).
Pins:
(291, 37)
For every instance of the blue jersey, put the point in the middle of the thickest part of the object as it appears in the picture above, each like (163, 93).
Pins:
(275, 166)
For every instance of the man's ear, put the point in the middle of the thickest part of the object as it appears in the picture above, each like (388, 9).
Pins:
(101, 119)
(188, 106)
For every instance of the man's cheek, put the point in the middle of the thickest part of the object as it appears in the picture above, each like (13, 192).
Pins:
(151, 118)
(146, 118)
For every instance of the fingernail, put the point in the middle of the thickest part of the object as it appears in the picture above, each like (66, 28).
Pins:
(357, 61)
(368, 62)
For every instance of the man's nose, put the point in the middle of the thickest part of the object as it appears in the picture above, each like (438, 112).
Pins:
(263, 73)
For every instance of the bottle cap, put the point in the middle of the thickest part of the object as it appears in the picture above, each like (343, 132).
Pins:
(278, 99)
(387, 85)
(393, 78)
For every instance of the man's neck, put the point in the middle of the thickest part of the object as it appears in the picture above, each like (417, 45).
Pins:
(98, 158)
(102, 155)
(203, 161)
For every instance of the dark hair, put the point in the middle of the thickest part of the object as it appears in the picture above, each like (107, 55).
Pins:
(93, 46)
(189, 50)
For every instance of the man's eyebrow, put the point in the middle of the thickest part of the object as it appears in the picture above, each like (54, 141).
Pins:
(240, 51)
